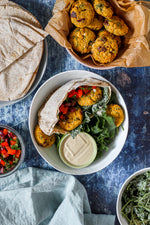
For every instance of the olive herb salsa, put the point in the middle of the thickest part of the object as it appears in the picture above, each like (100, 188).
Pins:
(10, 150)
(86, 109)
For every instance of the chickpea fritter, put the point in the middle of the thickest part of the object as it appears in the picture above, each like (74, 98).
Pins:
(104, 50)
(96, 24)
(116, 26)
(116, 111)
(43, 139)
(103, 8)
(102, 33)
(81, 40)
(91, 98)
(71, 120)
(82, 13)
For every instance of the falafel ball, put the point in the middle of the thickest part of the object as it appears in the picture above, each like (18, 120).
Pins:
(71, 120)
(92, 97)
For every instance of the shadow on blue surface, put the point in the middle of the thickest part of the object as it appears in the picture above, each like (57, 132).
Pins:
(134, 85)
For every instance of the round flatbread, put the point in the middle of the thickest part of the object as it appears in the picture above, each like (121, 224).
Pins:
(21, 49)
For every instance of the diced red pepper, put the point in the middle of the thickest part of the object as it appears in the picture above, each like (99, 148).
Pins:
(72, 93)
(10, 151)
(3, 144)
(8, 156)
(12, 142)
(4, 153)
(2, 162)
(93, 87)
(80, 93)
(18, 153)
(5, 131)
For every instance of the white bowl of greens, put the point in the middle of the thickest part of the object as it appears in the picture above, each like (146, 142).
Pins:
(133, 203)
(51, 154)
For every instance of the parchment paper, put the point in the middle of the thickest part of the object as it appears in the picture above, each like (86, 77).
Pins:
(135, 50)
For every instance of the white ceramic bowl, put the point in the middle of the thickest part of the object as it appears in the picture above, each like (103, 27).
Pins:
(121, 219)
(50, 154)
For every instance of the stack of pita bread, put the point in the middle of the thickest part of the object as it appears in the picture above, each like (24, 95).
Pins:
(21, 49)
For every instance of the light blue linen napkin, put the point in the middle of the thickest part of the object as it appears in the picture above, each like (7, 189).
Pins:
(34, 196)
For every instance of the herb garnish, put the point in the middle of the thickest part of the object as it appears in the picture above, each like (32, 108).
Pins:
(136, 200)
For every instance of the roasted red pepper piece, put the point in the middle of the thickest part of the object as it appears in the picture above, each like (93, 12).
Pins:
(80, 93)
(72, 93)
(63, 109)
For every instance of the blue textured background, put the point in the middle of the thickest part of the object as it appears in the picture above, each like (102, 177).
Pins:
(134, 85)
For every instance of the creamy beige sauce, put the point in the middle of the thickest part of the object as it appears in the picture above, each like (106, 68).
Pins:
(80, 150)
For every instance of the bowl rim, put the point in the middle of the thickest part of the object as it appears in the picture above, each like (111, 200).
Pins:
(98, 77)
(89, 66)
(22, 150)
(124, 185)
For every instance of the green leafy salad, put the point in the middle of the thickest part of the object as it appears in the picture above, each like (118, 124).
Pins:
(136, 200)
(97, 122)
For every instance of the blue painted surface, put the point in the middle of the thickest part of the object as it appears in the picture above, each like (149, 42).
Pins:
(134, 85)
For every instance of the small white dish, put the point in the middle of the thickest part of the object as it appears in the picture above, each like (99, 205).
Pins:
(70, 150)
(121, 219)
(51, 154)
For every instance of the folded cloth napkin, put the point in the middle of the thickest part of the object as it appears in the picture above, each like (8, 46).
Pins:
(34, 196)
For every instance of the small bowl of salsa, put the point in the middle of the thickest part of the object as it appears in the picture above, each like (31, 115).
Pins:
(12, 150)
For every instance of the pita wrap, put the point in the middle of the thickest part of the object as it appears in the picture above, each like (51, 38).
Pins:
(48, 114)
(21, 49)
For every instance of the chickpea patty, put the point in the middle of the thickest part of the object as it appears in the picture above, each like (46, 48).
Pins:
(43, 139)
(94, 96)
(103, 8)
(116, 111)
(102, 33)
(96, 24)
(104, 50)
(72, 120)
(116, 26)
(81, 13)
(81, 40)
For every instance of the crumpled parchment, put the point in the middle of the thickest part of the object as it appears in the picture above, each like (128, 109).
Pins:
(135, 50)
